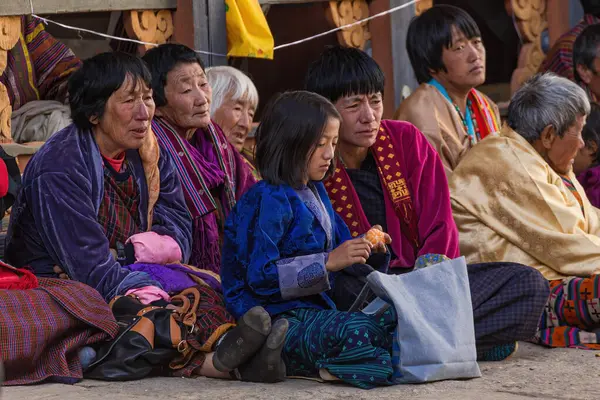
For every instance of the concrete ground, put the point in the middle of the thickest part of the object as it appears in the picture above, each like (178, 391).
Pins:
(532, 373)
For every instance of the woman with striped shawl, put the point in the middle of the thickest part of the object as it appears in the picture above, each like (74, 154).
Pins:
(213, 174)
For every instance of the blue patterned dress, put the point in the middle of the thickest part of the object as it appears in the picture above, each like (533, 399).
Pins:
(276, 244)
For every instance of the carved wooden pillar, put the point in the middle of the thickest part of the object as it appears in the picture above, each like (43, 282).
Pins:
(151, 26)
(10, 27)
(531, 22)
(423, 6)
(345, 12)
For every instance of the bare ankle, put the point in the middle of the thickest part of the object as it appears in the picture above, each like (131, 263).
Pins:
(208, 369)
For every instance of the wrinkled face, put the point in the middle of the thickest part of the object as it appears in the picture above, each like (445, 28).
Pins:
(235, 119)
(361, 117)
(324, 152)
(188, 95)
(464, 62)
(126, 118)
(561, 152)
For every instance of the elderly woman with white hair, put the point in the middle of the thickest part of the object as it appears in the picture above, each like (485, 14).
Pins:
(515, 198)
(234, 103)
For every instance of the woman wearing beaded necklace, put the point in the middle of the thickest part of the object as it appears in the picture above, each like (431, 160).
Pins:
(448, 56)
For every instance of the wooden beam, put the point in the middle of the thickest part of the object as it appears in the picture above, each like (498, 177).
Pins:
(404, 76)
(112, 23)
(201, 36)
(23, 7)
(381, 43)
(200, 24)
(217, 32)
(557, 12)
(185, 24)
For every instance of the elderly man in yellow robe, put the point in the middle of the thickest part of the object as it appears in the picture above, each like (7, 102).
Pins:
(515, 198)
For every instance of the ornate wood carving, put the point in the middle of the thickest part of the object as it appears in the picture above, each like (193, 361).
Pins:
(531, 22)
(423, 6)
(10, 28)
(345, 12)
(149, 26)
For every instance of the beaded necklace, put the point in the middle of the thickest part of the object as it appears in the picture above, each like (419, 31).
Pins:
(469, 120)
(474, 135)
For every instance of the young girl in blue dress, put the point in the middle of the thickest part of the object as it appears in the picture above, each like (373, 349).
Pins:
(284, 246)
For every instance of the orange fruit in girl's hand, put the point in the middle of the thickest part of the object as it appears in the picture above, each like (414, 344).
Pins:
(375, 236)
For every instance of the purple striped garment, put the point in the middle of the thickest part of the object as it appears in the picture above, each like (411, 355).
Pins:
(42, 329)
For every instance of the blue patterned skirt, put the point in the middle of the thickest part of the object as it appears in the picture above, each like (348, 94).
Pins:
(350, 345)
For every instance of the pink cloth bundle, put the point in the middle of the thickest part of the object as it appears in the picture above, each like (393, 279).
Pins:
(152, 248)
(149, 294)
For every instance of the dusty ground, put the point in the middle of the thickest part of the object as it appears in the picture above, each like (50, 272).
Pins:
(534, 372)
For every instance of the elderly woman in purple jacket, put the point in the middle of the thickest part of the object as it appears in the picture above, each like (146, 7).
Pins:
(103, 205)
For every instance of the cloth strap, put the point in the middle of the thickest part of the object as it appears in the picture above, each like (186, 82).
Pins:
(346, 203)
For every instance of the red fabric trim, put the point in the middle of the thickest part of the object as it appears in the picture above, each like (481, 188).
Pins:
(116, 163)
(3, 179)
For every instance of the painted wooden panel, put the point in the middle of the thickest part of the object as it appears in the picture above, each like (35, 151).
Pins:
(22, 7)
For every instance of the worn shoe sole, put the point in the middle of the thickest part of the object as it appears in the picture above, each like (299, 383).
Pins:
(243, 341)
(267, 366)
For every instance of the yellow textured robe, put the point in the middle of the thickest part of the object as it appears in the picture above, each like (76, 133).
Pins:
(509, 205)
(436, 117)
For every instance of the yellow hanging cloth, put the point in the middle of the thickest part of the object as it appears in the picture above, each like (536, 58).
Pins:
(248, 34)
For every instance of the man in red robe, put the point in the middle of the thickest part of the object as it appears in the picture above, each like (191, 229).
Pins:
(388, 174)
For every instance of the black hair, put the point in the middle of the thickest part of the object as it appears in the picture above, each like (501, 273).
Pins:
(585, 49)
(290, 128)
(344, 71)
(99, 77)
(431, 32)
(591, 130)
(161, 60)
(591, 7)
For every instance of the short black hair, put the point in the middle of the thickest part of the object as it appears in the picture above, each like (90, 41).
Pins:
(585, 49)
(591, 130)
(591, 7)
(99, 77)
(344, 71)
(161, 60)
(431, 32)
(290, 128)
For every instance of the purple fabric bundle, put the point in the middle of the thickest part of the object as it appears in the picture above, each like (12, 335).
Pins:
(590, 180)
(175, 277)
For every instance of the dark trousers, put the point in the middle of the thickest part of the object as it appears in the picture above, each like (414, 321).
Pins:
(508, 299)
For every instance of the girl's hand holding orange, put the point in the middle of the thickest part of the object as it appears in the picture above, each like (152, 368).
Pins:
(378, 238)
(355, 251)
